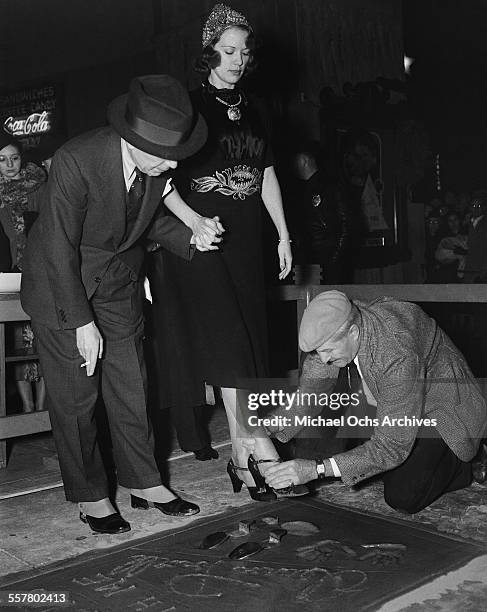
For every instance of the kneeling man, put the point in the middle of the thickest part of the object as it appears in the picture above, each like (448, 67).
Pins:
(430, 413)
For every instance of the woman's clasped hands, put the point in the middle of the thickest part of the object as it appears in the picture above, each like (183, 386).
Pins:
(207, 233)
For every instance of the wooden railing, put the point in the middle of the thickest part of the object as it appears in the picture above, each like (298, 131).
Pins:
(14, 425)
(411, 293)
(454, 293)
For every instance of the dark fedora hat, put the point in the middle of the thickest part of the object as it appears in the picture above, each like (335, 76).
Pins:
(157, 117)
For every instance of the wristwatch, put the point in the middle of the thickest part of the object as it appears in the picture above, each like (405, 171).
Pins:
(320, 468)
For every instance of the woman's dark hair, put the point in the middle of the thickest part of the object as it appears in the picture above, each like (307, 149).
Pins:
(210, 58)
(6, 140)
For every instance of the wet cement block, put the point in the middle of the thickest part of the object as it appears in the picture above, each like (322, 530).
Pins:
(350, 560)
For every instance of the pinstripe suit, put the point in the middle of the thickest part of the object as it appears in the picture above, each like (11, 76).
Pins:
(82, 264)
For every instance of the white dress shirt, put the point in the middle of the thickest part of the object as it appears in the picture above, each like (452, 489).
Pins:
(370, 400)
(129, 170)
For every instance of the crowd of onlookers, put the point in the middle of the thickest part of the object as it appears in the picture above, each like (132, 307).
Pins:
(456, 231)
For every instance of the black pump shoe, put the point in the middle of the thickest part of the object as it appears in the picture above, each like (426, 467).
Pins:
(291, 491)
(175, 507)
(258, 493)
(113, 523)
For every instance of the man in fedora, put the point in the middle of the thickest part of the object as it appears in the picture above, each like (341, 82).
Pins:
(429, 414)
(82, 286)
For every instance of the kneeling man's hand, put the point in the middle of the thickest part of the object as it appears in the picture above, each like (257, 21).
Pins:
(297, 471)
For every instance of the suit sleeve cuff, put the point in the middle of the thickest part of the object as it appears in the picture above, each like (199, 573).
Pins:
(168, 188)
(334, 467)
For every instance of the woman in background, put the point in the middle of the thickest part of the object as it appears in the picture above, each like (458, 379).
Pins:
(35, 199)
(451, 251)
(16, 183)
(211, 312)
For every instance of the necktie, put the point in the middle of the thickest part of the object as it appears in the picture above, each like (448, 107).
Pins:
(136, 192)
(134, 199)
(354, 380)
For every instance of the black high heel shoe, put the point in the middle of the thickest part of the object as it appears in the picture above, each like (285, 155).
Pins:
(175, 507)
(113, 523)
(291, 491)
(259, 492)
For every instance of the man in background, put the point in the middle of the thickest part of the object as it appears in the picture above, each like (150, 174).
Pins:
(323, 217)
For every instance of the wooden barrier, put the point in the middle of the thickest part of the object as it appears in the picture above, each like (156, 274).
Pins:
(454, 293)
(474, 294)
(17, 424)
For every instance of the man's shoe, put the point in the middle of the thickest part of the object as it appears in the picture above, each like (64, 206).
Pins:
(175, 507)
(479, 465)
(206, 453)
(113, 523)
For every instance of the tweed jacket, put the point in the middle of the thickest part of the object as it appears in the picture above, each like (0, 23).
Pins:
(81, 230)
(413, 370)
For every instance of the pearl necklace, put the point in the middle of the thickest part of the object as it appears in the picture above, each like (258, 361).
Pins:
(233, 111)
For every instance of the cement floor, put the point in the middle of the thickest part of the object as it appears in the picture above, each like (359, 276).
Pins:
(40, 527)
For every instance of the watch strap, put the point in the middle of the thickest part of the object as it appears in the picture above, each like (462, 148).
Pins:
(320, 468)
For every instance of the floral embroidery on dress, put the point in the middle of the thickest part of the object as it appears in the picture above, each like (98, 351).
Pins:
(240, 182)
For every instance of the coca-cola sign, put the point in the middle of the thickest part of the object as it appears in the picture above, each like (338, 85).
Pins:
(35, 123)
(34, 116)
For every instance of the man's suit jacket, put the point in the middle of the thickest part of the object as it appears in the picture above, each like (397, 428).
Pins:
(476, 262)
(412, 369)
(82, 227)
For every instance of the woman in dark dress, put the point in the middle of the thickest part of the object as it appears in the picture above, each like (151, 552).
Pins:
(210, 312)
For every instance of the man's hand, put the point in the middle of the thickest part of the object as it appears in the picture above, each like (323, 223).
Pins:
(297, 471)
(203, 245)
(206, 233)
(90, 346)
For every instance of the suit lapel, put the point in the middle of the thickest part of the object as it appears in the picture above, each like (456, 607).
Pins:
(365, 352)
(113, 186)
(153, 192)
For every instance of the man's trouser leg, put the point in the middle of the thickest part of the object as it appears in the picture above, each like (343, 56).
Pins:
(190, 427)
(71, 399)
(72, 396)
(124, 384)
(431, 469)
